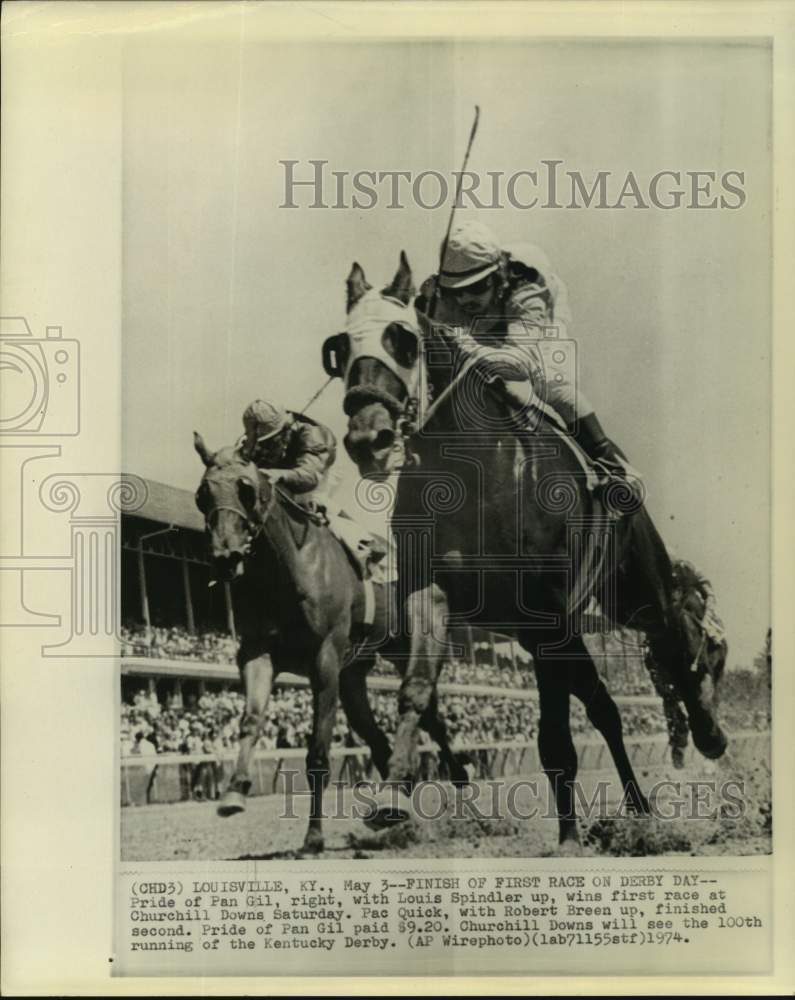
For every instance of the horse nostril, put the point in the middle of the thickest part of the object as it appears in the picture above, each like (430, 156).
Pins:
(383, 439)
(228, 561)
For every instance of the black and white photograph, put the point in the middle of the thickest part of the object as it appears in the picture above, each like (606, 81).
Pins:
(475, 341)
(395, 471)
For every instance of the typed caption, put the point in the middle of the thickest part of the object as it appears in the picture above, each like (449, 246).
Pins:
(629, 920)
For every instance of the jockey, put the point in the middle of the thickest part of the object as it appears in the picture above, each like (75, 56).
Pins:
(298, 452)
(515, 292)
(289, 448)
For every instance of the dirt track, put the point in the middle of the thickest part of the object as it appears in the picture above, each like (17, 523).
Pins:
(188, 831)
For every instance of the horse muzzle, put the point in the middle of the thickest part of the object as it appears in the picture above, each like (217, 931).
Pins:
(228, 565)
(376, 454)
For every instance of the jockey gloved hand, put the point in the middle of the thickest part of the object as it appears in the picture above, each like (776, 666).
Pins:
(509, 366)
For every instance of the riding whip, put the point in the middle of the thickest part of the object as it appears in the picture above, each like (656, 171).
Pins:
(318, 394)
(459, 181)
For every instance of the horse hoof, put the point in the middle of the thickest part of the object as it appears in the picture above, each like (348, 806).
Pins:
(678, 757)
(462, 773)
(570, 848)
(392, 807)
(712, 747)
(313, 844)
(636, 803)
(231, 803)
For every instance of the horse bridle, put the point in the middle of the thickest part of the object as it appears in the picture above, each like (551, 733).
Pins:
(253, 524)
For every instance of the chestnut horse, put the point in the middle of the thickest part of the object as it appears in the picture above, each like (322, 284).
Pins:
(301, 605)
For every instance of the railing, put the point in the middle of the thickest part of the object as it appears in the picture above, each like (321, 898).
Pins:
(229, 673)
(169, 778)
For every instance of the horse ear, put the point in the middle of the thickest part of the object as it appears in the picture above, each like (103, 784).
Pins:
(357, 285)
(201, 448)
(402, 287)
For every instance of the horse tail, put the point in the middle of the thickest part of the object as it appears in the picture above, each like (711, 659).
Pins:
(695, 607)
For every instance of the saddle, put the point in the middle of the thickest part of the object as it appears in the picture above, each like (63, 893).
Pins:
(367, 555)
(366, 552)
(618, 485)
(615, 492)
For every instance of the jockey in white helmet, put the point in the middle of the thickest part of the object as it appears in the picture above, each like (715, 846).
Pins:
(513, 293)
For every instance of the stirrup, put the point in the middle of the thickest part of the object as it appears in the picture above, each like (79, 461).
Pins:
(619, 486)
(318, 511)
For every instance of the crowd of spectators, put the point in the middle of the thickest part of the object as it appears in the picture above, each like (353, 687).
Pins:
(177, 643)
(209, 725)
(487, 667)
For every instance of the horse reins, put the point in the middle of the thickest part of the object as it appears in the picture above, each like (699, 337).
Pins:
(254, 526)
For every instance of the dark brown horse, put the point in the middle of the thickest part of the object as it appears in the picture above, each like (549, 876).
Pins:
(496, 526)
(301, 604)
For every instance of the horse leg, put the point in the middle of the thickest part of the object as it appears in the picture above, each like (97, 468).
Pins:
(433, 723)
(258, 678)
(604, 716)
(427, 611)
(353, 695)
(556, 747)
(675, 718)
(647, 603)
(325, 690)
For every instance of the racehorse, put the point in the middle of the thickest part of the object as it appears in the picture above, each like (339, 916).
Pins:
(514, 538)
(302, 607)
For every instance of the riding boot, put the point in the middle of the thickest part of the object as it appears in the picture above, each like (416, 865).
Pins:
(376, 561)
(590, 436)
(609, 461)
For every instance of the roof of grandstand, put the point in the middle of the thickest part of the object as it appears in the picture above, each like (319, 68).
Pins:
(168, 505)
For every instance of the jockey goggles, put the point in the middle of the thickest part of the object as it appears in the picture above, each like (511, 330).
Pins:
(479, 287)
(469, 254)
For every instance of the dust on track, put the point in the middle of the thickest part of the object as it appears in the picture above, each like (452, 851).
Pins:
(193, 831)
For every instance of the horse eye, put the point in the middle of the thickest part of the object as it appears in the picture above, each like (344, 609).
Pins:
(401, 343)
(247, 493)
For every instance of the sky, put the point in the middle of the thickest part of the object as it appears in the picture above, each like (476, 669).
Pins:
(228, 297)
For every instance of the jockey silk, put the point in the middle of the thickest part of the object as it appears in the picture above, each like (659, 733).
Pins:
(536, 298)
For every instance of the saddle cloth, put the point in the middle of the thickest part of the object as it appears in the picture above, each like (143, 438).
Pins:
(595, 537)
